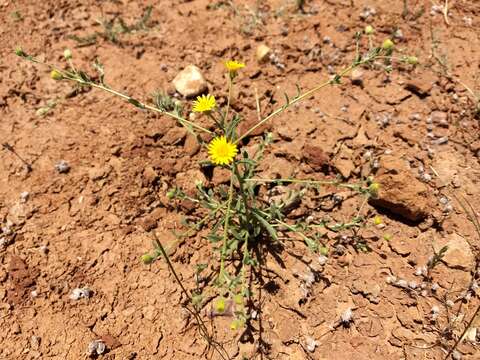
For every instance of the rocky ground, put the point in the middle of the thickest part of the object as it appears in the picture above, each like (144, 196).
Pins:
(83, 178)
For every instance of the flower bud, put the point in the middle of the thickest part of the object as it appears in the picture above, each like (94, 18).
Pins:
(373, 188)
(412, 60)
(238, 299)
(56, 75)
(170, 194)
(323, 250)
(377, 220)
(67, 54)
(236, 324)
(388, 44)
(19, 52)
(147, 259)
(369, 30)
(220, 305)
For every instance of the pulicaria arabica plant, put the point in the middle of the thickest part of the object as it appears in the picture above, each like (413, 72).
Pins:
(237, 219)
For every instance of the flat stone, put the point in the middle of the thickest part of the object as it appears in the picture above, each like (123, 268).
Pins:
(190, 81)
(459, 255)
(175, 135)
(400, 192)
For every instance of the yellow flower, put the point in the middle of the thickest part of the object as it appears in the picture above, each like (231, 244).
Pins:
(204, 103)
(233, 65)
(56, 75)
(222, 151)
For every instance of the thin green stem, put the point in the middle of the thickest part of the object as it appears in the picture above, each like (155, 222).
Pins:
(230, 86)
(308, 182)
(225, 227)
(75, 77)
(294, 101)
(200, 322)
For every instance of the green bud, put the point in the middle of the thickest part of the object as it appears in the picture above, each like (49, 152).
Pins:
(412, 60)
(237, 324)
(323, 250)
(374, 187)
(220, 305)
(238, 299)
(147, 259)
(388, 44)
(197, 299)
(56, 75)
(387, 237)
(369, 30)
(171, 194)
(19, 52)
(67, 54)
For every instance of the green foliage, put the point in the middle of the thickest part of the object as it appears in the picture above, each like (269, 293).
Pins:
(238, 219)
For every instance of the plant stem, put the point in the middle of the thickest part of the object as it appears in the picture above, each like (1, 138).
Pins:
(230, 85)
(200, 322)
(301, 97)
(75, 77)
(225, 226)
(464, 332)
(308, 182)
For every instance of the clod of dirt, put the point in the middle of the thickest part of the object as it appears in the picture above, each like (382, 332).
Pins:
(21, 279)
(369, 289)
(459, 255)
(80, 293)
(175, 136)
(191, 146)
(315, 157)
(248, 123)
(96, 347)
(62, 167)
(400, 192)
(190, 81)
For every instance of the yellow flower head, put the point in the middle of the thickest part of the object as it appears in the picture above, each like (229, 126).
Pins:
(222, 151)
(204, 103)
(233, 65)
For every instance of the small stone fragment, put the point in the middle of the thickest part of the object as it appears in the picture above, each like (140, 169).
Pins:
(96, 347)
(310, 344)
(79, 293)
(400, 192)
(357, 77)
(190, 81)
(62, 167)
(262, 53)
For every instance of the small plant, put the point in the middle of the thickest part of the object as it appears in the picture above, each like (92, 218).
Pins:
(112, 28)
(238, 219)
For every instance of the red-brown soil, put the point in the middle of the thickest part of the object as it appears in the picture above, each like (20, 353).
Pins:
(88, 227)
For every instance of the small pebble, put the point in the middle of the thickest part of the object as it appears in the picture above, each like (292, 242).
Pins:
(346, 316)
(456, 355)
(310, 344)
(24, 196)
(96, 347)
(322, 260)
(80, 293)
(62, 167)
